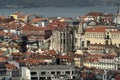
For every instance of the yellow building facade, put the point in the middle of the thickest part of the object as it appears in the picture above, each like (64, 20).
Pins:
(101, 35)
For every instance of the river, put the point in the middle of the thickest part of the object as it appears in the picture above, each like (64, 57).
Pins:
(59, 12)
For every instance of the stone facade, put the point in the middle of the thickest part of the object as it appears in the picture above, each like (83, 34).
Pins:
(61, 41)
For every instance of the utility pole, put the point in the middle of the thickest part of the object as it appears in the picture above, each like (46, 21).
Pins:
(117, 13)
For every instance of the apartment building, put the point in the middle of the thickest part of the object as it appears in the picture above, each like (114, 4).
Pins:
(53, 72)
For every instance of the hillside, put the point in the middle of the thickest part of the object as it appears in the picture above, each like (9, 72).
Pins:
(55, 3)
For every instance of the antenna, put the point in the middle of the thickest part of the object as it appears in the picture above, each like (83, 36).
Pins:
(117, 14)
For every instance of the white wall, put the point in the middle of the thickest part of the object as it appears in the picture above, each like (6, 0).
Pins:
(25, 73)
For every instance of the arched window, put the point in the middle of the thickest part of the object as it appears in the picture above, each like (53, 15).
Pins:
(83, 43)
(107, 37)
(106, 42)
(88, 42)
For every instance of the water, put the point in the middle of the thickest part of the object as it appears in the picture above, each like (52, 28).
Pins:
(59, 12)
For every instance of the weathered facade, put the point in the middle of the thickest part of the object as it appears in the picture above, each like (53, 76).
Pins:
(62, 41)
(53, 72)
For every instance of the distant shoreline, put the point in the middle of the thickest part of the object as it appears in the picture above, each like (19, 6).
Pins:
(59, 12)
(54, 7)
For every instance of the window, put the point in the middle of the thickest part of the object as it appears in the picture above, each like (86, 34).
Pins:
(73, 72)
(52, 72)
(33, 73)
(74, 77)
(41, 78)
(88, 42)
(34, 78)
(107, 37)
(106, 42)
(64, 34)
(61, 33)
(58, 72)
(67, 72)
(61, 41)
(64, 41)
(43, 73)
(49, 78)
(83, 44)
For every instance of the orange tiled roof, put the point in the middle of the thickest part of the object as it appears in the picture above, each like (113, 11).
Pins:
(17, 13)
(2, 17)
(42, 56)
(11, 25)
(10, 66)
(31, 61)
(66, 58)
(52, 52)
(92, 59)
(34, 28)
(1, 52)
(57, 24)
(95, 14)
(38, 19)
(77, 55)
(95, 55)
(108, 56)
(15, 37)
(3, 59)
(5, 34)
(96, 29)
(28, 53)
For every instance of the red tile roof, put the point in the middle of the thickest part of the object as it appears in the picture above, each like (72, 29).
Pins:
(77, 55)
(38, 19)
(17, 13)
(1, 52)
(56, 24)
(108, 56)
(5, 34)
(28, 53)
(52, 52)
(31, 61)
(3, 59)
(11, 25)
(96, 29)
(91, 59)
(66, 58)
(42, 57)
(95, 14)
(34, 28)
(10, 66)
